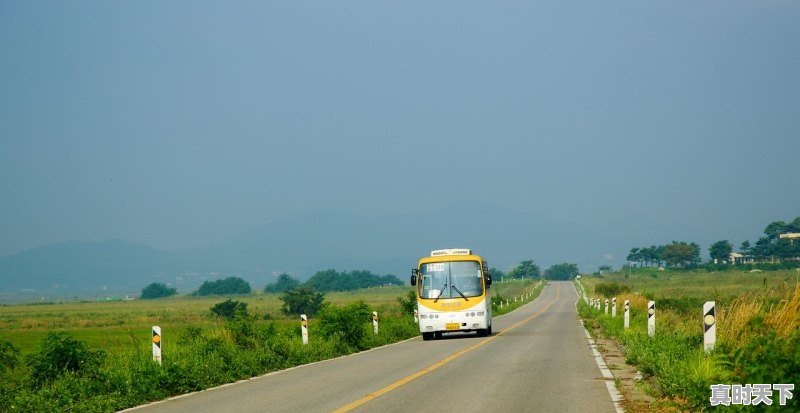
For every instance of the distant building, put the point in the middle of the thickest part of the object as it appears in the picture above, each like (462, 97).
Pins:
(736, 258)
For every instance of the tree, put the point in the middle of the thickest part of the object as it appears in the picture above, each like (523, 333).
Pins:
(634, 256)
(745, 247)
(720, 250)
(332, 280)
(604, 269)
(680, 253)
(285, 282)
(230, 285)
(561, 272)
(774, 229)
(230, 309)
(793, 226)
(497, 274)
(302, 301)
(525, 269)
(157, 290)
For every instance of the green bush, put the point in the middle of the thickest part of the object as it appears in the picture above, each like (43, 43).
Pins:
(157, 290)
(60, 354)
(768, 359)
(408, 303)
(347, 323)
(230, 285)
(302, 301)
(9, 355)
(230, 309)
(611, 289)
(285, 282)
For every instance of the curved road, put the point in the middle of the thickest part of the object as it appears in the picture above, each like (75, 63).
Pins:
(538, 360)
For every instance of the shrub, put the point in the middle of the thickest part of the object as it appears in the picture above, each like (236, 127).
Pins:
(302, 301)
(8, 355)
(60, 353)
(230, 309)
(611, 289)
(408, 303)
(346, 323)
(157, 290)
(285, 282)
(230, 285)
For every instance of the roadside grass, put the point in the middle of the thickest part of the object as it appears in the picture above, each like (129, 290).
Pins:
(199, 350)
(758, 336)
(508, 290)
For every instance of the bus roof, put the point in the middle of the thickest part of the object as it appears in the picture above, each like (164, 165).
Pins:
(446, 258)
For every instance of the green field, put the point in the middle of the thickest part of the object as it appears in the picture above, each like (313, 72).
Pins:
(110, 345)
(758, 314)
(700, 284)
(114, 325)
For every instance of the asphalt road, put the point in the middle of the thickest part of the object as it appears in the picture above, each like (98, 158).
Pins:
(537, 360)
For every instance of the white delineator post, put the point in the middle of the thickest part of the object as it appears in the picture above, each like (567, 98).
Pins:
(606, 305)
(416, 316)
(627, 314)
(304, 328)
(709, 326)
(157, 344)
(651, 318)
(613, 307)
(375, 321)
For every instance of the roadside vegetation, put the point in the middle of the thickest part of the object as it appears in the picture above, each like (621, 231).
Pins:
(97, 357)
(758, 338)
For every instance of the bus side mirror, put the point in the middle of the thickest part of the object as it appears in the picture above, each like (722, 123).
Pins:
(414, 273)
(488, 278)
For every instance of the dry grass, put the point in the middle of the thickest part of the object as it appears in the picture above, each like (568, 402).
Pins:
(778, 310)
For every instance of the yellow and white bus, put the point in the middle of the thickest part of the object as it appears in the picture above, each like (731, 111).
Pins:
(452, 294)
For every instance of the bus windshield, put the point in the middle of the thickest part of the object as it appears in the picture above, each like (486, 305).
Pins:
(455, 279)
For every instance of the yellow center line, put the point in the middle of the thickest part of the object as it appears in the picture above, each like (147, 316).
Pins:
(405, 380)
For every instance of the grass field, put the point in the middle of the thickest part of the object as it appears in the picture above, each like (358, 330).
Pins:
(103, 361)
(758, 314)
(114, 325)
(722, 286)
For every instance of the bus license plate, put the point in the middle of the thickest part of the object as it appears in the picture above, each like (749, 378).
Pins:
(452, 326)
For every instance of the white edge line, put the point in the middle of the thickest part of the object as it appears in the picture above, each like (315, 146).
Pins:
(616, 397)
(272, 373)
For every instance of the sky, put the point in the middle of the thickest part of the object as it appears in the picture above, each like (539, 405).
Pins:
(182, 124)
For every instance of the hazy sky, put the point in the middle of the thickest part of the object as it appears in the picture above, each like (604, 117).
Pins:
(178, 124)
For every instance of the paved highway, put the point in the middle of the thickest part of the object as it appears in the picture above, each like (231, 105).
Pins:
(538, 360)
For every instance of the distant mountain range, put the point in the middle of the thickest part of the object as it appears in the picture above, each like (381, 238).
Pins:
(302, 245)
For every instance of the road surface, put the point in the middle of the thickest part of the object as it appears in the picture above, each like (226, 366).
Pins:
(537, 360)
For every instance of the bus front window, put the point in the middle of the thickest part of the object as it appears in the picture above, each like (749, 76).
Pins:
(447, 279)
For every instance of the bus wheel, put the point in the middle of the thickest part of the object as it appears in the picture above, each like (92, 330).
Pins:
(489, 331)
(483, 332)
(427, 336)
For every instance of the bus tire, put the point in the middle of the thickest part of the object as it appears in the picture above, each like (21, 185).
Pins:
(427, 336)
(489, 331)
(483, 332)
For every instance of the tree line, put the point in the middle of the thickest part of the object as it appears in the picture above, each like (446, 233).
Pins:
(770, 247)
(675, 254)
(529, 269)
(327, 280)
